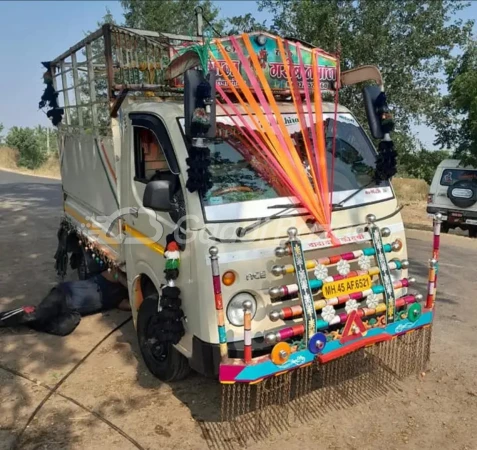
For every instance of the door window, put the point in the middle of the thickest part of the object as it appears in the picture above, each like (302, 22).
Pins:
(149, 156)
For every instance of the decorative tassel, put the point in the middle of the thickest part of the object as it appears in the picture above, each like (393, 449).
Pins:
(172, 255)
(199, 177)
(386, 162)
(169, 320)
(50, 97)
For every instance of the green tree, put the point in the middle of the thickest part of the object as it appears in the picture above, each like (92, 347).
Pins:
(410, 41)
(456, 122)
(1, 131)
(422, 164)
(244, 24)
(172, 16)
(25, 140)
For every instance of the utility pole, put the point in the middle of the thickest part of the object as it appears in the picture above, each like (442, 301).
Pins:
(200, 21)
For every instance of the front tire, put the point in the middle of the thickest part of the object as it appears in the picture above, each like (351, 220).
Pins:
(163, 360)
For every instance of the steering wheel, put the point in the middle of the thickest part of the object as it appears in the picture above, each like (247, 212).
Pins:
(231, 189)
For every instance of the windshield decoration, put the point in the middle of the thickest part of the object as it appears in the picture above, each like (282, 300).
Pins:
(271, 149)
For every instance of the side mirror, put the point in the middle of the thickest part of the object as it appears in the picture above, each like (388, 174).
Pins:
(370, 95)
(157, 195)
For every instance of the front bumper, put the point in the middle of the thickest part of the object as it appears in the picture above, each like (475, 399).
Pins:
(342, 325)
(206, 356)
(262, 367)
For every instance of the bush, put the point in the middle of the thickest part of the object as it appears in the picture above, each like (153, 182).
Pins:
(25, 140)
(422, 164)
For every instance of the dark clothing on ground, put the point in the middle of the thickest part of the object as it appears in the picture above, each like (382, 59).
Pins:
(61, 310)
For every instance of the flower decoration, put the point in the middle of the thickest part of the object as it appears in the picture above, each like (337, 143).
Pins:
(372, 301)
(328, 313)
(343, 267)
(321, 271)
(351, 305)
(364, 262)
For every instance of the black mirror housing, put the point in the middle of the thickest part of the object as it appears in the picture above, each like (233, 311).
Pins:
(158, 195)
(370, 95)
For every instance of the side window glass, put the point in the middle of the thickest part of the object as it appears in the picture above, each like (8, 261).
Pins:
(149, 158)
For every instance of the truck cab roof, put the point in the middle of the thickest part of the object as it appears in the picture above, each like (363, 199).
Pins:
(176, 107)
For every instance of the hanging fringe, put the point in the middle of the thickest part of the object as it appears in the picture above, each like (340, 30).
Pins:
(199, 177)
(308, 391)
(169, 320)
(50, 97)
(386, 161)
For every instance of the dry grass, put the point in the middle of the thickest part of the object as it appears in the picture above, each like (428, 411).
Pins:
(412, 194)
(8, 158)
(9, 161)
(410, 190)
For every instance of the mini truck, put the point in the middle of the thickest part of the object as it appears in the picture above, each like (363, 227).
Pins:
(253, 270)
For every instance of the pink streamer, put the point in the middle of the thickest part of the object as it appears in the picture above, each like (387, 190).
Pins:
(312, 125)
(251, 131)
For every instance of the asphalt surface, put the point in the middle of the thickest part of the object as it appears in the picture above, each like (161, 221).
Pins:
(82, 369)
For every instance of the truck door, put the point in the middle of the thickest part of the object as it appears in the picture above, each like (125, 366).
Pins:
(148, 155)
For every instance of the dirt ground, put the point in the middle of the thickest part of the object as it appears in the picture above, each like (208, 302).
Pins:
(90, 390)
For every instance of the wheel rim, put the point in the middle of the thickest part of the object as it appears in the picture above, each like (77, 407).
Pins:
(158, 350)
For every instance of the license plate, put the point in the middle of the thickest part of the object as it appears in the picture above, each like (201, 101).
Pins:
(347, 286)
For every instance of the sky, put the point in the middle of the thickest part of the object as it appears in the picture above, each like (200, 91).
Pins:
(35, 31)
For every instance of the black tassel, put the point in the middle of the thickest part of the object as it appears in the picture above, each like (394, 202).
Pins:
(50, 97)
(203, 94)
(386, 162)
(169, 320)
(199, 177)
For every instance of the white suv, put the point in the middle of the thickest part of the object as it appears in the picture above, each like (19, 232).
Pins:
(453, 193)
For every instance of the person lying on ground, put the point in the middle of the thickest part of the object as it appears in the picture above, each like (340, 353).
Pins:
(61, 310)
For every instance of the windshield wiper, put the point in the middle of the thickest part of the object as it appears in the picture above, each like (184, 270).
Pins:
(342, 202)
(242, 231)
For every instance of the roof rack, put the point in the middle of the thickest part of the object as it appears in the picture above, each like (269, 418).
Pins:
(96, 74)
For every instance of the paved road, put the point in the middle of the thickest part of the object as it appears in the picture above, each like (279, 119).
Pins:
(110, 400)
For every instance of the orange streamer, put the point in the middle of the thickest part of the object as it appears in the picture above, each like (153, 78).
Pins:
(270, 126)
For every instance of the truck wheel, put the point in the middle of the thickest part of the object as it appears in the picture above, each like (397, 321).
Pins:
(162, 359)
(473, 232)
(445, 227)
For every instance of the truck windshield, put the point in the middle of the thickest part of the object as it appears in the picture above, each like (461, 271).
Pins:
(240, 193)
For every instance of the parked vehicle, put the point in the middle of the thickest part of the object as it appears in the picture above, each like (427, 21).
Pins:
(453, 193)
(124, 152)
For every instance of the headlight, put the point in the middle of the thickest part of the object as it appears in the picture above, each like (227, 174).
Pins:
(235, 308)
